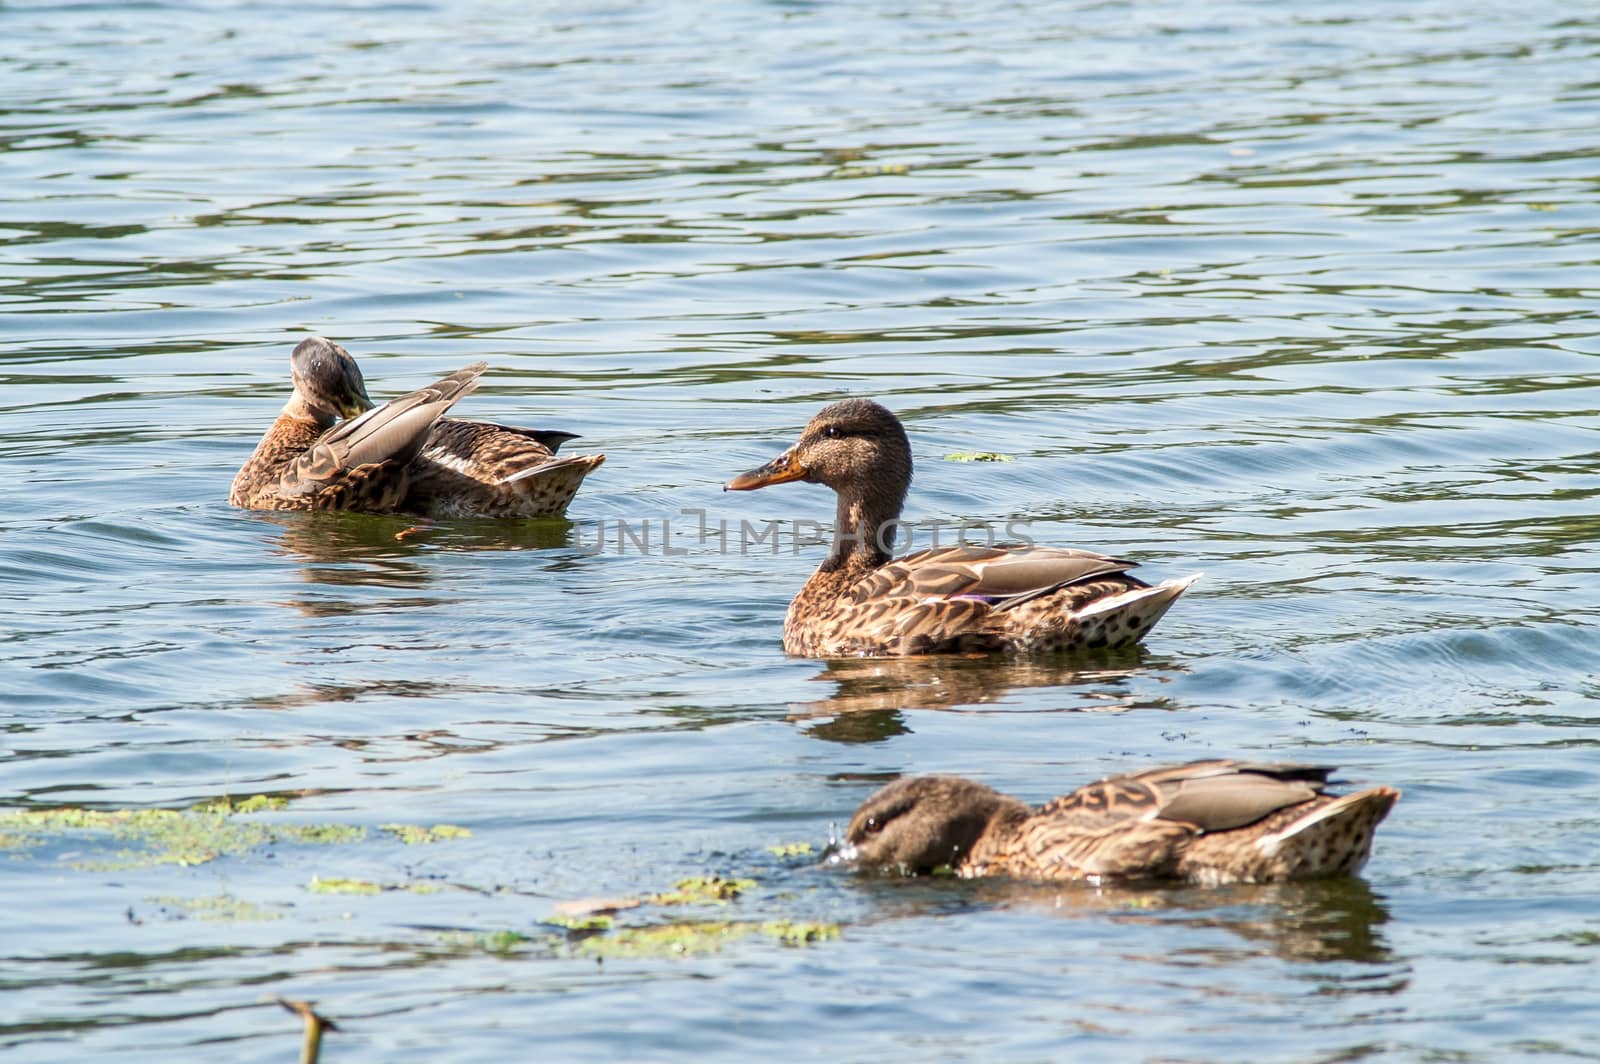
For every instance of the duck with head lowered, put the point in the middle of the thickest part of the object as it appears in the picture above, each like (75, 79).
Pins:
(1205, 822)
(956, 599)
(402, 456)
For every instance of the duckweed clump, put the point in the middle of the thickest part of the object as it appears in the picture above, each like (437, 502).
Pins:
(598, 935)
(163, 836)
(218, 908)
(413, 835)
(256, 803)
(701, 890)
(800, 933)
(683, 939)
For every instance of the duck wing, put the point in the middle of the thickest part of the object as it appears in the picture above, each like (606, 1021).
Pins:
(1002, 576)
(361, 461)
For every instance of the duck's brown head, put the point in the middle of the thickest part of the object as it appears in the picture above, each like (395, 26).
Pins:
(327, 380)
(854, 447)
(916, 825)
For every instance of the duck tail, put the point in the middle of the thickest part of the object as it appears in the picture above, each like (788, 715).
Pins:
(1334, 839)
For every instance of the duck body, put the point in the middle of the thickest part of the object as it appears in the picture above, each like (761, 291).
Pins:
(1014, 598)
(1205, 822)
(402, 456)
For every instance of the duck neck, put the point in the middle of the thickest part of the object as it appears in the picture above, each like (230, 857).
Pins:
(999, 834)
(297, 409)
(865, 529)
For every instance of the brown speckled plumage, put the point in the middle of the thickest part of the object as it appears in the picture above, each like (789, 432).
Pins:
(1206, 822)
(402, 456)
(976, 599)
(480, 469)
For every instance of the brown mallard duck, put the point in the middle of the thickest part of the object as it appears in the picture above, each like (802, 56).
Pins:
(402, 456)
(944, 599)
(1206, 822)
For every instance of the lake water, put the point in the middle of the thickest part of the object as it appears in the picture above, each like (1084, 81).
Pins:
(1300, 296)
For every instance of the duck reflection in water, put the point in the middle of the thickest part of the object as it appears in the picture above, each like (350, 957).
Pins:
(343, 550)
(871, 693)
(1322, 920)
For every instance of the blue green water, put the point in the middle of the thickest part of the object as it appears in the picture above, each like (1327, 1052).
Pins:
(1300, 297)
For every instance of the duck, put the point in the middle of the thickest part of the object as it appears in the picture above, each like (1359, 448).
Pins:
(1207, 823)
(331, 448)
(862, 602)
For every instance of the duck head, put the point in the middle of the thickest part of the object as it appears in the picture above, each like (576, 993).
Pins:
(913, 826)
(327, 380)
(852, 445)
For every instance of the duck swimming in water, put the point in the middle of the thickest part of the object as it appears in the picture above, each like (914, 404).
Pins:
(860, 602)
(402, 456)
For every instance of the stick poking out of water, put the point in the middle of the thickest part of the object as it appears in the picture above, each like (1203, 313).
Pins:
(311, 1046)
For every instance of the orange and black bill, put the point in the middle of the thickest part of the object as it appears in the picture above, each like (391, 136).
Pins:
(780, 470)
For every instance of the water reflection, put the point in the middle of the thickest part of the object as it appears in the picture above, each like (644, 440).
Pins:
(882, 685)
(332, 537)
(363, 550)
(1324, 920)
(1316, 921)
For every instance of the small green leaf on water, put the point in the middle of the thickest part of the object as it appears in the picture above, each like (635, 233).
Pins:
(978, 456)
(336, 885)
(1543, 207)
(412, 834)
(791, 849)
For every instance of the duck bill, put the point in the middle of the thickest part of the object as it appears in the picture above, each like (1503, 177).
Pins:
(780, 470)
(355, 408)
(356, 401)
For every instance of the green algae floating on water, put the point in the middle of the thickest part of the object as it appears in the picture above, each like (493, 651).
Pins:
(978, 456)
(343, 885)
(211, 829)
(687, 938)
(340, 885)
(698, 890)
(219, 908)
(414, 835)
(800, 933)
(791, 849)
(681, 939)
(164, 836)
(591, 922)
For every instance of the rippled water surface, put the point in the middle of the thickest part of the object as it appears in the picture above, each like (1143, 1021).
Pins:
(1301, 296)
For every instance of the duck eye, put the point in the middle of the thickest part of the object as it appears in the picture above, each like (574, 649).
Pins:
(831, 432)
(874, 825)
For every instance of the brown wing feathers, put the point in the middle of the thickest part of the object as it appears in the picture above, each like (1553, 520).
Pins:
(387, 436)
